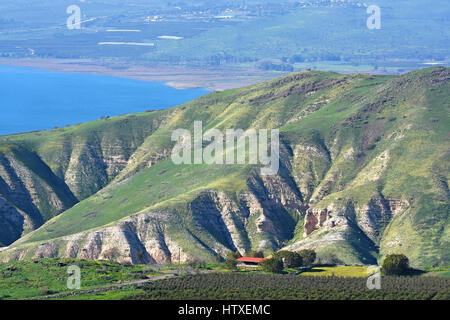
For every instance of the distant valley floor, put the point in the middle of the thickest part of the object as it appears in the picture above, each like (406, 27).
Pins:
(217, 79)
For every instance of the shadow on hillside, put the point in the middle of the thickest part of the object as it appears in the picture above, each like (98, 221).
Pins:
(314, 270)
(414, 272)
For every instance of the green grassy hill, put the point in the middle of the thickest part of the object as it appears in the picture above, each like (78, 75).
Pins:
(44, 173)
(363, 172)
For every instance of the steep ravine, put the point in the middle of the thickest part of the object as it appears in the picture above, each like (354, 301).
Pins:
(215, 223)
(362, 174)
(264, 218)
(30, 194)
(41, 180)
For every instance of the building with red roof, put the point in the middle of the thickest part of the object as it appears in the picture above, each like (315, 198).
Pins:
(250, 261)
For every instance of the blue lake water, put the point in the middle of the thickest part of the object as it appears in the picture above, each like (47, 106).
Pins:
(34, 99)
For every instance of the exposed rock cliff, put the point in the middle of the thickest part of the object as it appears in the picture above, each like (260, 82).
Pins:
(363, 172)
(41, 179)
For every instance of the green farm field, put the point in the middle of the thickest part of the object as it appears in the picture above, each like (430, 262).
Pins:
(47, 279)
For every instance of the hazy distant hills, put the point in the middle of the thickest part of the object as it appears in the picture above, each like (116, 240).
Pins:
(269, 35)
(364, 170)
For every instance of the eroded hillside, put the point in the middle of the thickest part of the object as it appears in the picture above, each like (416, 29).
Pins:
(364, 169)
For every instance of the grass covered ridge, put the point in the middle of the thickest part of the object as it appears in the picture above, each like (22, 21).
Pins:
(374, 149)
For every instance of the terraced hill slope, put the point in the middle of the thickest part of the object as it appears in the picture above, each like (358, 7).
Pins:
(364, 169)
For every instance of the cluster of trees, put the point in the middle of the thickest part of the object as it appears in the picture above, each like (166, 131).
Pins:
(278, 262)
(230, 261)
(288, 259)
(395, 264)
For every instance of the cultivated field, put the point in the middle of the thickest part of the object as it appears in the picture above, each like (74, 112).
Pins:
(47, 279)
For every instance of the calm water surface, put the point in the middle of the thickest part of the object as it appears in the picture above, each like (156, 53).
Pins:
(34, 99)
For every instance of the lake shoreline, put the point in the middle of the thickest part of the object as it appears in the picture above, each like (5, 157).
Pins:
(218, 79)
(34, 99)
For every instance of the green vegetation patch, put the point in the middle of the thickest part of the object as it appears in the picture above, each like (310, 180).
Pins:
(338, 271)
(41, 277)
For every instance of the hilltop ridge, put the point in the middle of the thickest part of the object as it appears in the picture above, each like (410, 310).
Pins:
(364, 169)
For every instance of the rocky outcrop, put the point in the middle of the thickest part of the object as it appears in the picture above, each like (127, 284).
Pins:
(376, 215)
(138, 239)
(314, 220)
(263, 218)
(333, 232)
(372, 218)
(348, 162)
(222, 218)
(54, 176)
(328, 218)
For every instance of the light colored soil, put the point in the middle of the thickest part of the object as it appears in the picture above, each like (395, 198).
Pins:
(178, 77)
